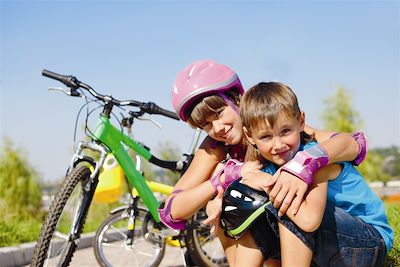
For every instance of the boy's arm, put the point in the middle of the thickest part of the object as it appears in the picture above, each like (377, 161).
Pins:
(311, 211)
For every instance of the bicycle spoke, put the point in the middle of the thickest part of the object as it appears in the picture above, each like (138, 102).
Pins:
(111, 244)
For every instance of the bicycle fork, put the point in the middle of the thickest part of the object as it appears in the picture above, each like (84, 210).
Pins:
(88, 189)
(132, 212)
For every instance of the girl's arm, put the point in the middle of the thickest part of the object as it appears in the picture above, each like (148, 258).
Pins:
(197, 189)
(340, 147)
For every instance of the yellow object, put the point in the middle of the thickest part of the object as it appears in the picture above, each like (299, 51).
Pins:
(156, 187)
(109, 188)
(172, 242)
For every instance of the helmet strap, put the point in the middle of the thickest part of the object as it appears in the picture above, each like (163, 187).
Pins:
(229, 102)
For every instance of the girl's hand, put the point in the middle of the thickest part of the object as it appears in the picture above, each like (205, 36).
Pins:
(288, 191)
(213, 210)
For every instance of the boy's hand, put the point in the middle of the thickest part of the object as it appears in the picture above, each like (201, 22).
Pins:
(288, 191)
(213, 210)
(257, 179)
(249, 168)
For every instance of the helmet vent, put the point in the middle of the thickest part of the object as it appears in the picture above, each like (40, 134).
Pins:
(191, 72)
(236, 194)
(230, 208)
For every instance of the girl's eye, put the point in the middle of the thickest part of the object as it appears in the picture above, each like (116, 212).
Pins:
(218, 113)
(205, 125)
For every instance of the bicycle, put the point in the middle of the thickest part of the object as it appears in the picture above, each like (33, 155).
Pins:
(119, 235)
(64, 222)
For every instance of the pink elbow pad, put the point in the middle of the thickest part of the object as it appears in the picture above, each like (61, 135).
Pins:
(362, 147)
(305, 163)
(165, 217)
(231, 169)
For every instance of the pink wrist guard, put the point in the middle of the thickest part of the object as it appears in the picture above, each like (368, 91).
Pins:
(362, 147)
(165, 216)
(231, 169)
(305, 163)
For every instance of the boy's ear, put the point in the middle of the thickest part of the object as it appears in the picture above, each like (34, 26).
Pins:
(302, 121)
(248, 136)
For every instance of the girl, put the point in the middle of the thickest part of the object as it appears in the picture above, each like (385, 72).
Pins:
(206, 94)
(354, 229)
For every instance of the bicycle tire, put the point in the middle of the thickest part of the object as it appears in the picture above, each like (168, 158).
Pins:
(108, 246)
(203, 248)
(55, 219)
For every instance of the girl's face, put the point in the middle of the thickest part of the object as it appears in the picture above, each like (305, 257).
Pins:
(280, 143)
(225, 126)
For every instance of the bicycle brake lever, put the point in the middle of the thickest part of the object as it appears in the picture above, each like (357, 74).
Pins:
(68, 91)
(148, 119)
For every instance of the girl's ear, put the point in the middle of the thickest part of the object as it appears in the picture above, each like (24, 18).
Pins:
(302, 121)
(248, 136)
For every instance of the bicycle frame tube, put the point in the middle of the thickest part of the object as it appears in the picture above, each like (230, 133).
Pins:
(113, 139)
(157, 187)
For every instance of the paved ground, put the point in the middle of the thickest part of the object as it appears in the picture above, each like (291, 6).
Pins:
(85, 258)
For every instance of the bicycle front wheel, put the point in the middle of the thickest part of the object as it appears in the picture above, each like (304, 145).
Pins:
(113, 247)
(56, 243)
(203, 248)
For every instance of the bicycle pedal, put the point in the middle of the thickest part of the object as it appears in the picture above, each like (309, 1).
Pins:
(167, 232)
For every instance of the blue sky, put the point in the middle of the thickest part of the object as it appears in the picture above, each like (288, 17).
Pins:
(134, 49)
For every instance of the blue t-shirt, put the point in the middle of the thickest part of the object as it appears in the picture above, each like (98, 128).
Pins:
(350, 192)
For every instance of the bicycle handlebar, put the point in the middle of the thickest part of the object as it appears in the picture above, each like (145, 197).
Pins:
(73, 83)
(170, 165)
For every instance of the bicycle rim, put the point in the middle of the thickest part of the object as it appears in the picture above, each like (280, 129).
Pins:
(111, 248)
(203, 248)
(54, 246)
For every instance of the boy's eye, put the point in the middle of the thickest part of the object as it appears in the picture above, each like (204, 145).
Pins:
(266, 136)
(287, 130)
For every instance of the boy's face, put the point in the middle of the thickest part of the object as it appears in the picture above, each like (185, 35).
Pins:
(225, 126)
(280, 143)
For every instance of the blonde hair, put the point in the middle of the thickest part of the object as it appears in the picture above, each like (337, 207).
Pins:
(208, 106)
(263, 103)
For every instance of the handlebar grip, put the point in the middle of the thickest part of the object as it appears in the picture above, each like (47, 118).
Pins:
(52, 75)
(69, 81)
(153, 108)
(169, 114)
(166, 164)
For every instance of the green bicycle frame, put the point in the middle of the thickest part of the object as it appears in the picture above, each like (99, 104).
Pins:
(114, 139)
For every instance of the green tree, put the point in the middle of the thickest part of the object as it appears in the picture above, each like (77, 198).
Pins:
(19, 188)
(168, 151)
(165, 151)
(340, 116)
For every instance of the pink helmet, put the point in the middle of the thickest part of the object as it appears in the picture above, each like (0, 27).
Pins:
(199, 79)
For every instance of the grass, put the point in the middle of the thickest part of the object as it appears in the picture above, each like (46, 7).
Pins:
(393, 213)
(18, 228)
